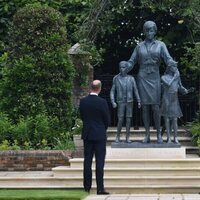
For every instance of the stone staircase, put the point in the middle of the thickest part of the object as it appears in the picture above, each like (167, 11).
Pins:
(148, 174)
(121, 176)
(125, 170)
(141, 175)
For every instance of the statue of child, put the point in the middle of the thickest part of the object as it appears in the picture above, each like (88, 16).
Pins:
(170, 108)
(123, 89)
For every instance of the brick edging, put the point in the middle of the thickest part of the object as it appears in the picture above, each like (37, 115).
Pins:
(33, 160)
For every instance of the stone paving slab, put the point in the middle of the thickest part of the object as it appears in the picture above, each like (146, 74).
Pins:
(144, 197)
(191, 196)
(171, 197)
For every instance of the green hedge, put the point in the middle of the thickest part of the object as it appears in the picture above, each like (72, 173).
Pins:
(38, 75)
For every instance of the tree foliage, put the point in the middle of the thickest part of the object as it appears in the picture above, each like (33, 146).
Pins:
(122, 29)
(74, 12)
(188, 14)
(38, 75)
(119, 24)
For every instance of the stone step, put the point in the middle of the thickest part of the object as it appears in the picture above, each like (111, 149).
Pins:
(151, 180)
(77, 182)
(114, 184)
(37, 182)
(66, 171)
(135, 189)
(143, 163)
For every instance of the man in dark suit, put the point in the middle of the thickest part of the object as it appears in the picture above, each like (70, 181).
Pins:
(95, 114)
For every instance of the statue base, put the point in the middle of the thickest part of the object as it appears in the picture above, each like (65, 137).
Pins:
(146, 152)
(144, 145)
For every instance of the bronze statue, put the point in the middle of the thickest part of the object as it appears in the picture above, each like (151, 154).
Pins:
(123, 90)
(148, 54)
(170, 108)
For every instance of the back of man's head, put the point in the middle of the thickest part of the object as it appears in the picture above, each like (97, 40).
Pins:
(96, 86)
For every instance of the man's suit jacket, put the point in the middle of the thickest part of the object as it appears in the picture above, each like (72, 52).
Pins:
(95, 114)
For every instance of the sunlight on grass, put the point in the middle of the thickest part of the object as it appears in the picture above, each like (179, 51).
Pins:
(42, 194)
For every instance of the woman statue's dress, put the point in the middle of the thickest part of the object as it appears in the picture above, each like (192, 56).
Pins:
(149, 57)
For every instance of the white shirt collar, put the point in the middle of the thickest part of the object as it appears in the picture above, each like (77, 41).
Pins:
(93, 93)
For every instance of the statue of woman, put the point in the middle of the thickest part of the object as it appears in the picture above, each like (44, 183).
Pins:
(148, 54)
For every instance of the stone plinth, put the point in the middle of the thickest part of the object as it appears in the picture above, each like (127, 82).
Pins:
(144, 145)
(146, 153)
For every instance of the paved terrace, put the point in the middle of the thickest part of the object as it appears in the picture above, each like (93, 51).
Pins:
(144, 197)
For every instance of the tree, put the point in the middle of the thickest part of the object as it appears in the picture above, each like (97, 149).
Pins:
(74, 12)
(38, 75)
(119, 24)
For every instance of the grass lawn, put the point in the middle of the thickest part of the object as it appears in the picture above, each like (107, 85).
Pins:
(41, 194)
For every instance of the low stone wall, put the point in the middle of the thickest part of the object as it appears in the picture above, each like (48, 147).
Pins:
(33, 160)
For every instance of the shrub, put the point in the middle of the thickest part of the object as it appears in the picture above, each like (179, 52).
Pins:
(5, 127)
(64, 142)
(38, 74)
(37, 132)
(194, 128)
(78, 126)
(22, 131)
